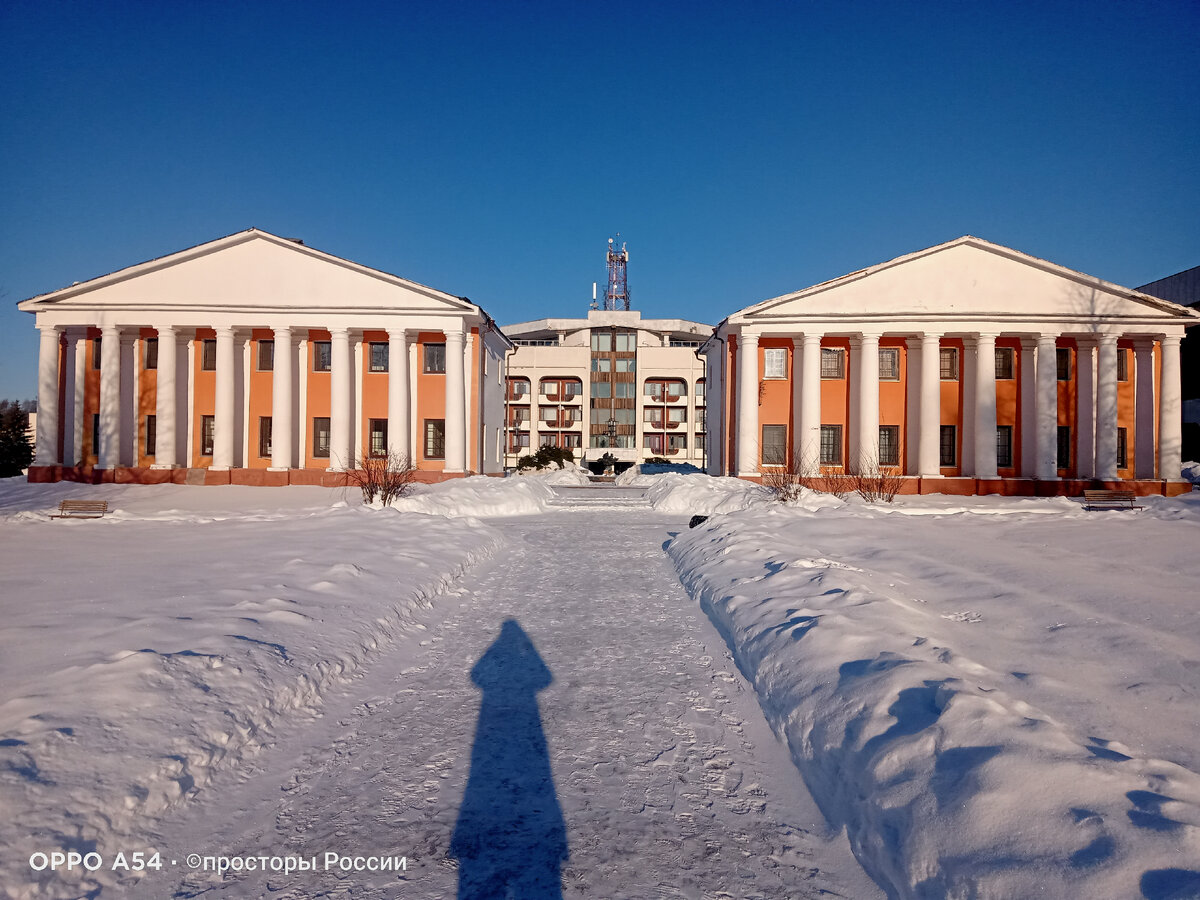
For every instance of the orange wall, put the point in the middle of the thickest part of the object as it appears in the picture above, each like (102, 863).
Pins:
(146, 384)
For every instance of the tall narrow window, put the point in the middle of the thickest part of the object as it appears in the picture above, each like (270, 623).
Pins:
(264, 436)
(151, 353)
(96, 433)
(626, 364)
(1062, 360)
(1004, 363)
(96, 353)
(266, 356)
(948, 455)
(1064, 446)
(321, 437)
(831, 445)
(208, 355)
(678, 442)
(322, 356)
(602, 341)
(889, 445)
(1122, 365)
(379, 357)
(601, 364)
(948, 363)
(377, 430)
(774, 362)
(435, 358)
(208, 426)
(151, 435)
(1004, 435)
(435, 438)
(626, 342)
(889, 363)
(833, 362)
(1122, 449)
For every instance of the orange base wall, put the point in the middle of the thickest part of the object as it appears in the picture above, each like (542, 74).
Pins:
(253, 477)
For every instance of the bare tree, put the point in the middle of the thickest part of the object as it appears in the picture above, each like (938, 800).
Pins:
(874, 482)
(386, 477)
(787, 481)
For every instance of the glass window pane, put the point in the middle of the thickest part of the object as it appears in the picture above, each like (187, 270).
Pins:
(948, 359)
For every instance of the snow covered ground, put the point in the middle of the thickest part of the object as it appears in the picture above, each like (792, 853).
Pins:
(997, 698)
(991, 697)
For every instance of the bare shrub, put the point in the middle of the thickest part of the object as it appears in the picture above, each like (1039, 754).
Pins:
(386, 477)
(787, 481)
(874, 482)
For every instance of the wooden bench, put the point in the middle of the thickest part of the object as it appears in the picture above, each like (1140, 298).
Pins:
(81, 509)
(1110, 500)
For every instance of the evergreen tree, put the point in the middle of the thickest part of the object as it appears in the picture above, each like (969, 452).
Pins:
(16, 452)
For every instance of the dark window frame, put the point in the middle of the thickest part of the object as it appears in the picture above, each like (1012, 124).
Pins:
(265, 358)
(1062, 459)
(1004, 446)
(377, 428)
(150, 354)
(322, 356)
(1062, 363)
(831, 439)
(435, 440)
(832, 372)
(948, 354)
(208, 354)
(774, 449)
(1006, 364)
(893, 445)
(948, 449)
(433, 357)
(151, 436)
(265, 434)
(208, 435)
(380, 349)
(892, 374)
(319, 452)
(1122, 448)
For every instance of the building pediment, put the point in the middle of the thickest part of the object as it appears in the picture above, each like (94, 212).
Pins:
(251, 270)
(968, 279)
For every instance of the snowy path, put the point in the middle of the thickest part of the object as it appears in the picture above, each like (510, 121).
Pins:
(669, 782)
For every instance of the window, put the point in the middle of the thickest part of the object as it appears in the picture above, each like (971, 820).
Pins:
(601, 389)
(653, 415)
(1004, 364)
(266, 356)
(1062, 358)
(1064, 446)
(774, 445)
(1122, 365)
(264, 437)
(677, 414)
(519, 440)
(700, 388)
(208, 356)
(653, 389)
(151, 435)
(96, 433)
(1004, 446)
(96, 353)
(626, 342)
(548, 414)
(435, 438)
(700, 418)
(676, 442)
(570, 439)
(151, 353)
(601, 342)
(321, 437)
(379, 357)
(831, 445)
(626, 365)
(601, 364)
(624, 416)
(889, 445)
(948, 363)
(377, 444)
(949, 450)
(833, 363)
(654, 443)
(518, 387)
(774, 362)
(322, 356)
(570, 389)
(435, 360)
(1122, 449)
(624, 390)
(208, 427)
(889, 363)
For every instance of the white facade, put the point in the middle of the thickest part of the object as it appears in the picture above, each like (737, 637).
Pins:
(648, 383)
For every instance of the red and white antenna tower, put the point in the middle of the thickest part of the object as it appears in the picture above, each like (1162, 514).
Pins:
(616, 294)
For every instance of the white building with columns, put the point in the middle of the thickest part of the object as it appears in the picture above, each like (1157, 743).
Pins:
(254, 359)
(968, 367)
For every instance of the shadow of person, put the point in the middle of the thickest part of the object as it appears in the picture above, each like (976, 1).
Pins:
(510, 839)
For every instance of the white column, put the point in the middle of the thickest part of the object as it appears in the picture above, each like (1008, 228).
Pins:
(1028, 419)
(985, 406)
(339, 401)
(810, 403)
(109, 454)
(130, 397)
(1143, 442)
(398, 401)
(747, 408)
(1170, 413)
(1085, 407)
(1046, 405)
(46, 441)
(282, 424)
(797, 400)
(223, 421)
(357, 451)
(78, 349)
(166, 399)
(456, 402)
(929, 446)
(868, 404)
(967, 368)
(1106, 409)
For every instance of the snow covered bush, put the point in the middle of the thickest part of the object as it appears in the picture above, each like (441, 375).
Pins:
(386, 477)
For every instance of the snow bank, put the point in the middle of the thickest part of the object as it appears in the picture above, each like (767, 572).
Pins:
(143, 651)
(568, 475)
(991, 706)
(480, 495)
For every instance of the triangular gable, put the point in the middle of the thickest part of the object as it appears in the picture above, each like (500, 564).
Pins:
(966, 278)
(251, 270)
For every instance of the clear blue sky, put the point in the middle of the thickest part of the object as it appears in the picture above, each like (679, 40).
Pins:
(490, 149)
